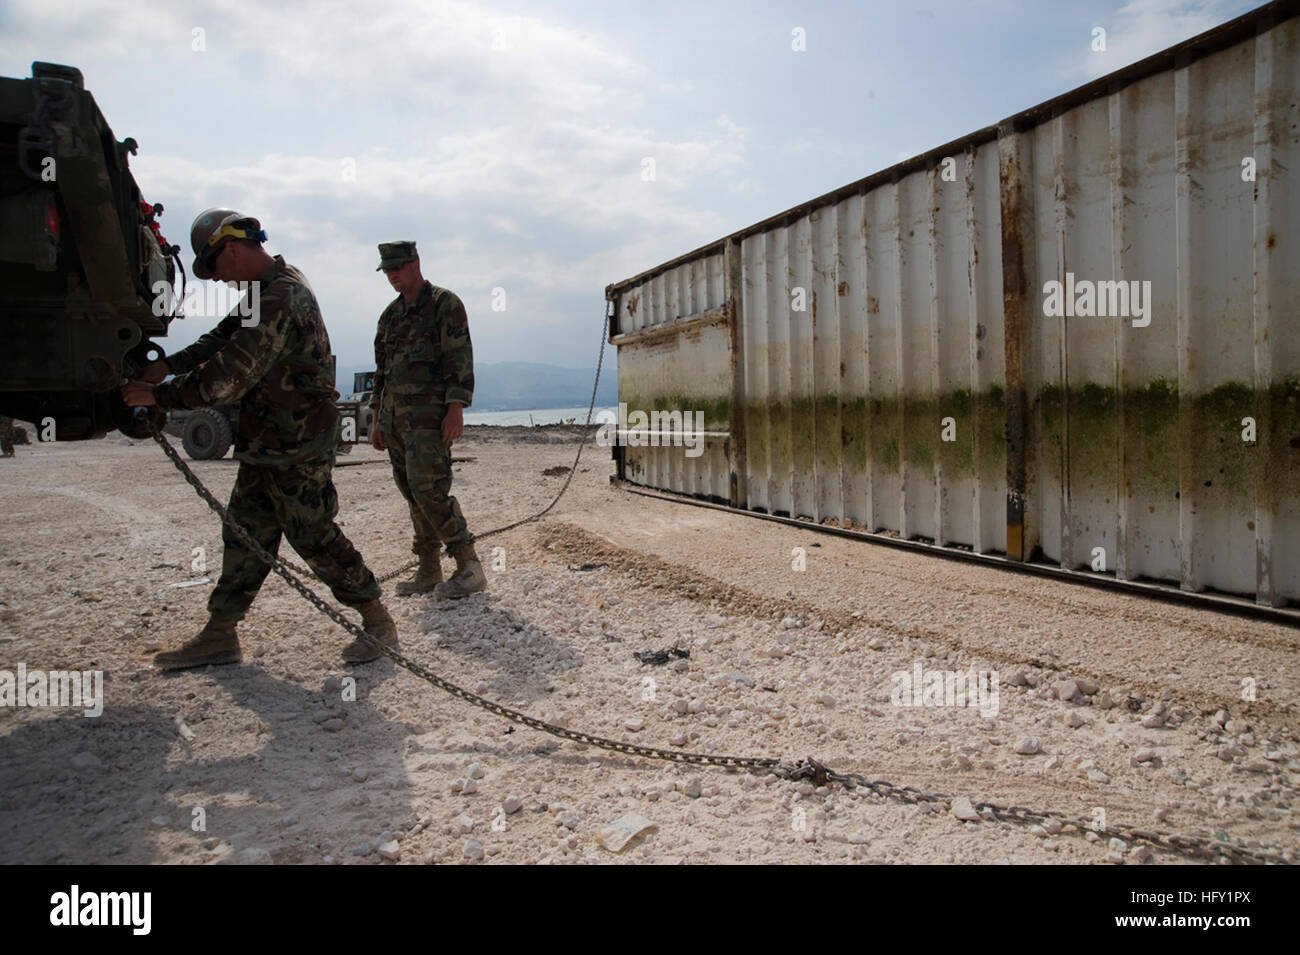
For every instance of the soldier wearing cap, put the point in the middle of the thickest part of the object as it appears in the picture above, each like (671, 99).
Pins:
(424, 377)
(281, 369)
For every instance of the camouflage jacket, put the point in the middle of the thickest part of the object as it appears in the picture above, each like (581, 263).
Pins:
(423, 351)
(281, 370)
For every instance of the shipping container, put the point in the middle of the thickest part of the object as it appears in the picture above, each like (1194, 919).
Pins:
(1072, 337)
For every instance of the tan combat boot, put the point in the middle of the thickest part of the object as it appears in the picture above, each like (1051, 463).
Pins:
(380, 626)
(468, 578)
(215, 644)
(427, 576)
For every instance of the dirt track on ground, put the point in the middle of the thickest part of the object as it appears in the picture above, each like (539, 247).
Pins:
(96, 537)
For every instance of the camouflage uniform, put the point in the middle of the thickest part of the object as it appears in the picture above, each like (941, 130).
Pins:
(423, 360)
(282, 372)
(11, 433)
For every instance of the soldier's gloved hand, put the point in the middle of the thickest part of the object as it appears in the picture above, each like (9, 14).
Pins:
(155, 372)
(377, 437)
(453, 423)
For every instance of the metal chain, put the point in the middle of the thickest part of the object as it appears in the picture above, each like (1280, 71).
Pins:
(1211, 849)
(600, 361)
(282, 568)
(806, 769)
(591, 407)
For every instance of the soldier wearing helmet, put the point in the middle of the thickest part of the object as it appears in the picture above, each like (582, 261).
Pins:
(281, 369)
(424, 376)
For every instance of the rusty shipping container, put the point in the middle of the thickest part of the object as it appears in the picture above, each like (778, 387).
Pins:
(893, 357)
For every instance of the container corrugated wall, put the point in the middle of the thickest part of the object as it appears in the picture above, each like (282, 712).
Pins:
(674, 354)
(890, 357)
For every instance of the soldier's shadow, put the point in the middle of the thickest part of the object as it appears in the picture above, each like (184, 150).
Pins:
(77, 789)
(125, 787)
(525, 657)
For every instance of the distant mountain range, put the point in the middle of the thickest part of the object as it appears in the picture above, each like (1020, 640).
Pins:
(523, 385)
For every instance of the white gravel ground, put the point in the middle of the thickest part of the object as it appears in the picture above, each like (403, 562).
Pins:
(271, 761)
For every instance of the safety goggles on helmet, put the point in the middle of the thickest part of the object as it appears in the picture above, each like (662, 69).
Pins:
(231, 230)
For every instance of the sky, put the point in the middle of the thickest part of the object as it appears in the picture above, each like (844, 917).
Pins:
(511, 139)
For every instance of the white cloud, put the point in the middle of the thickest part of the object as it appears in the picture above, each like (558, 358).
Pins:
(1143, 27)
(405, 51)
(511, 146)
(570, 174)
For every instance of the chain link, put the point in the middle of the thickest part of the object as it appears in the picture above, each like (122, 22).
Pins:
(807, 769)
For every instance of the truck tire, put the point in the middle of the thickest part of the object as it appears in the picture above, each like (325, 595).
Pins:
(207, 435)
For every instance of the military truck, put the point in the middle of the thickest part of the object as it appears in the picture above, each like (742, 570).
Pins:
(88, 278)
(207, 433)
(363, 384)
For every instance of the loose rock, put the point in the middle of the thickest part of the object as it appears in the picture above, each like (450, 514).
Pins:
(963, 810)
(623, 830)
(1227, 751)
(1027, 746)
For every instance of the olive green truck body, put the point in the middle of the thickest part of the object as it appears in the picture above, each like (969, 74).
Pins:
(87, 283)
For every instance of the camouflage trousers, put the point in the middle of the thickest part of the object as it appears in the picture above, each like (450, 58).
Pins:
(7, 437)
(422, 470)
(298, 502)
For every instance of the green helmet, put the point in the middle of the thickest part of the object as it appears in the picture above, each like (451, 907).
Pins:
(211, 228)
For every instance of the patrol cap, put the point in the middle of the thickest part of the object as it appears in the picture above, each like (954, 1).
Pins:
(393, 255)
